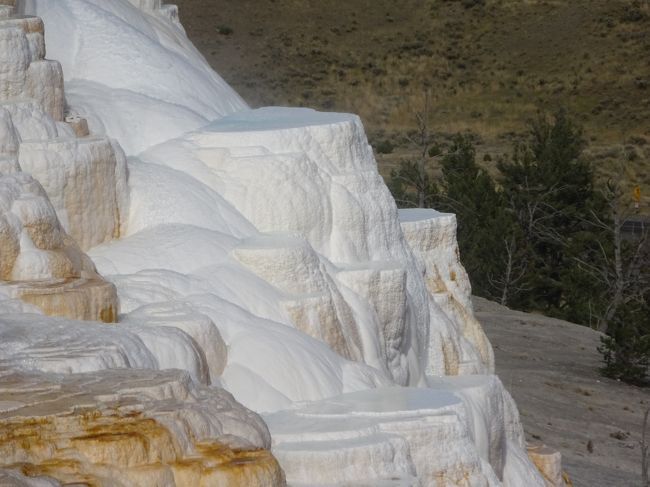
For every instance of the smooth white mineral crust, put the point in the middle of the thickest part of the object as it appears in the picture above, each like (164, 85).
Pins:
(383, 287)
(432, 237)
(167, 11)
(343, 224)
(117, 63)
(84, 178)
(317, 444)
(339, 441)
(29, 120)
(312, 301)
(160, 195)
(207, 345)
(55, 345)
(24, 73)
(499, 436)
(6, 11)
(40, 263)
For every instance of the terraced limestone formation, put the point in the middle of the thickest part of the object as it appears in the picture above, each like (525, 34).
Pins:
(130, 428)
(256, 252)
(40, 263)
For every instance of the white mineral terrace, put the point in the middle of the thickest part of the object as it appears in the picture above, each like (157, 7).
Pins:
(178, 271)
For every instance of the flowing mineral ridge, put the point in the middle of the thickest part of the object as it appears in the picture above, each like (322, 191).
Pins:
(195, 293)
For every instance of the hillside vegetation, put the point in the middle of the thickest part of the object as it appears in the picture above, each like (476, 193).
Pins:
(488, 66)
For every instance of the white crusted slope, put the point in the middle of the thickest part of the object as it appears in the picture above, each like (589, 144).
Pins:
(40, 263)
(432, 237)
(398, 436)
(313, 174)
(85, 178)
(123, 82)
(255, 250)
(24, 73)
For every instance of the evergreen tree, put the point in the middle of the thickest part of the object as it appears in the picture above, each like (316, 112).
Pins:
(412, 186)
(547, 239)
(550, 188)
(485, 228)
(626, 348)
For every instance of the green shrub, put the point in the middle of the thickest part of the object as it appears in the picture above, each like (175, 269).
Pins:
(472, 3)
(384, 147)
(224, 30)
(626, 351)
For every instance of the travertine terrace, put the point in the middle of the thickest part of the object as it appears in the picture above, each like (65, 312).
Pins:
(197, 293)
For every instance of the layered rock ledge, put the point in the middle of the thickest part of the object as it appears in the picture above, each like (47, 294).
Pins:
(254, 251)
(130, 428)
(40, 264)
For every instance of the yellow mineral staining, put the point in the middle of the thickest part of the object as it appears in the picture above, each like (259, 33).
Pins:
(549, 463)
(65, 471)
(99, 448)
(78, 124)
(29, 24)
(452, 359)
(80, 299)
(567, 479)
(219, 465)
(316, 316)
(45, 233)
(125, 441)
(9, 249)
(42, 265)
(108, 315)
(435, 283)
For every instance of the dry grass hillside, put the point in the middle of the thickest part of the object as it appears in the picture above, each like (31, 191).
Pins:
(488, 65)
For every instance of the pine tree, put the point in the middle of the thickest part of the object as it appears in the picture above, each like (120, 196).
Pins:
(487, 236)
(550, 188)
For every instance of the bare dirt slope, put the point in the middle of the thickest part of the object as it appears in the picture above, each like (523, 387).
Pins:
(551, 368)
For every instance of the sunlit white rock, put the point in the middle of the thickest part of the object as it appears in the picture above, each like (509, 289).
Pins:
(29, 120)
(432, 237)
(343, 224)
(34, 245)
(367, 433)
(209, 346)
(261, 252)
(23, 71)
(43, 265)
(85, 180)
(109, 77)
(312, 301)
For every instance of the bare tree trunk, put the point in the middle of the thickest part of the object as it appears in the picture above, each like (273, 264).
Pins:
(617, 298)
(508, 274)
(645, 454)
(422, 174)
(423, 122)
